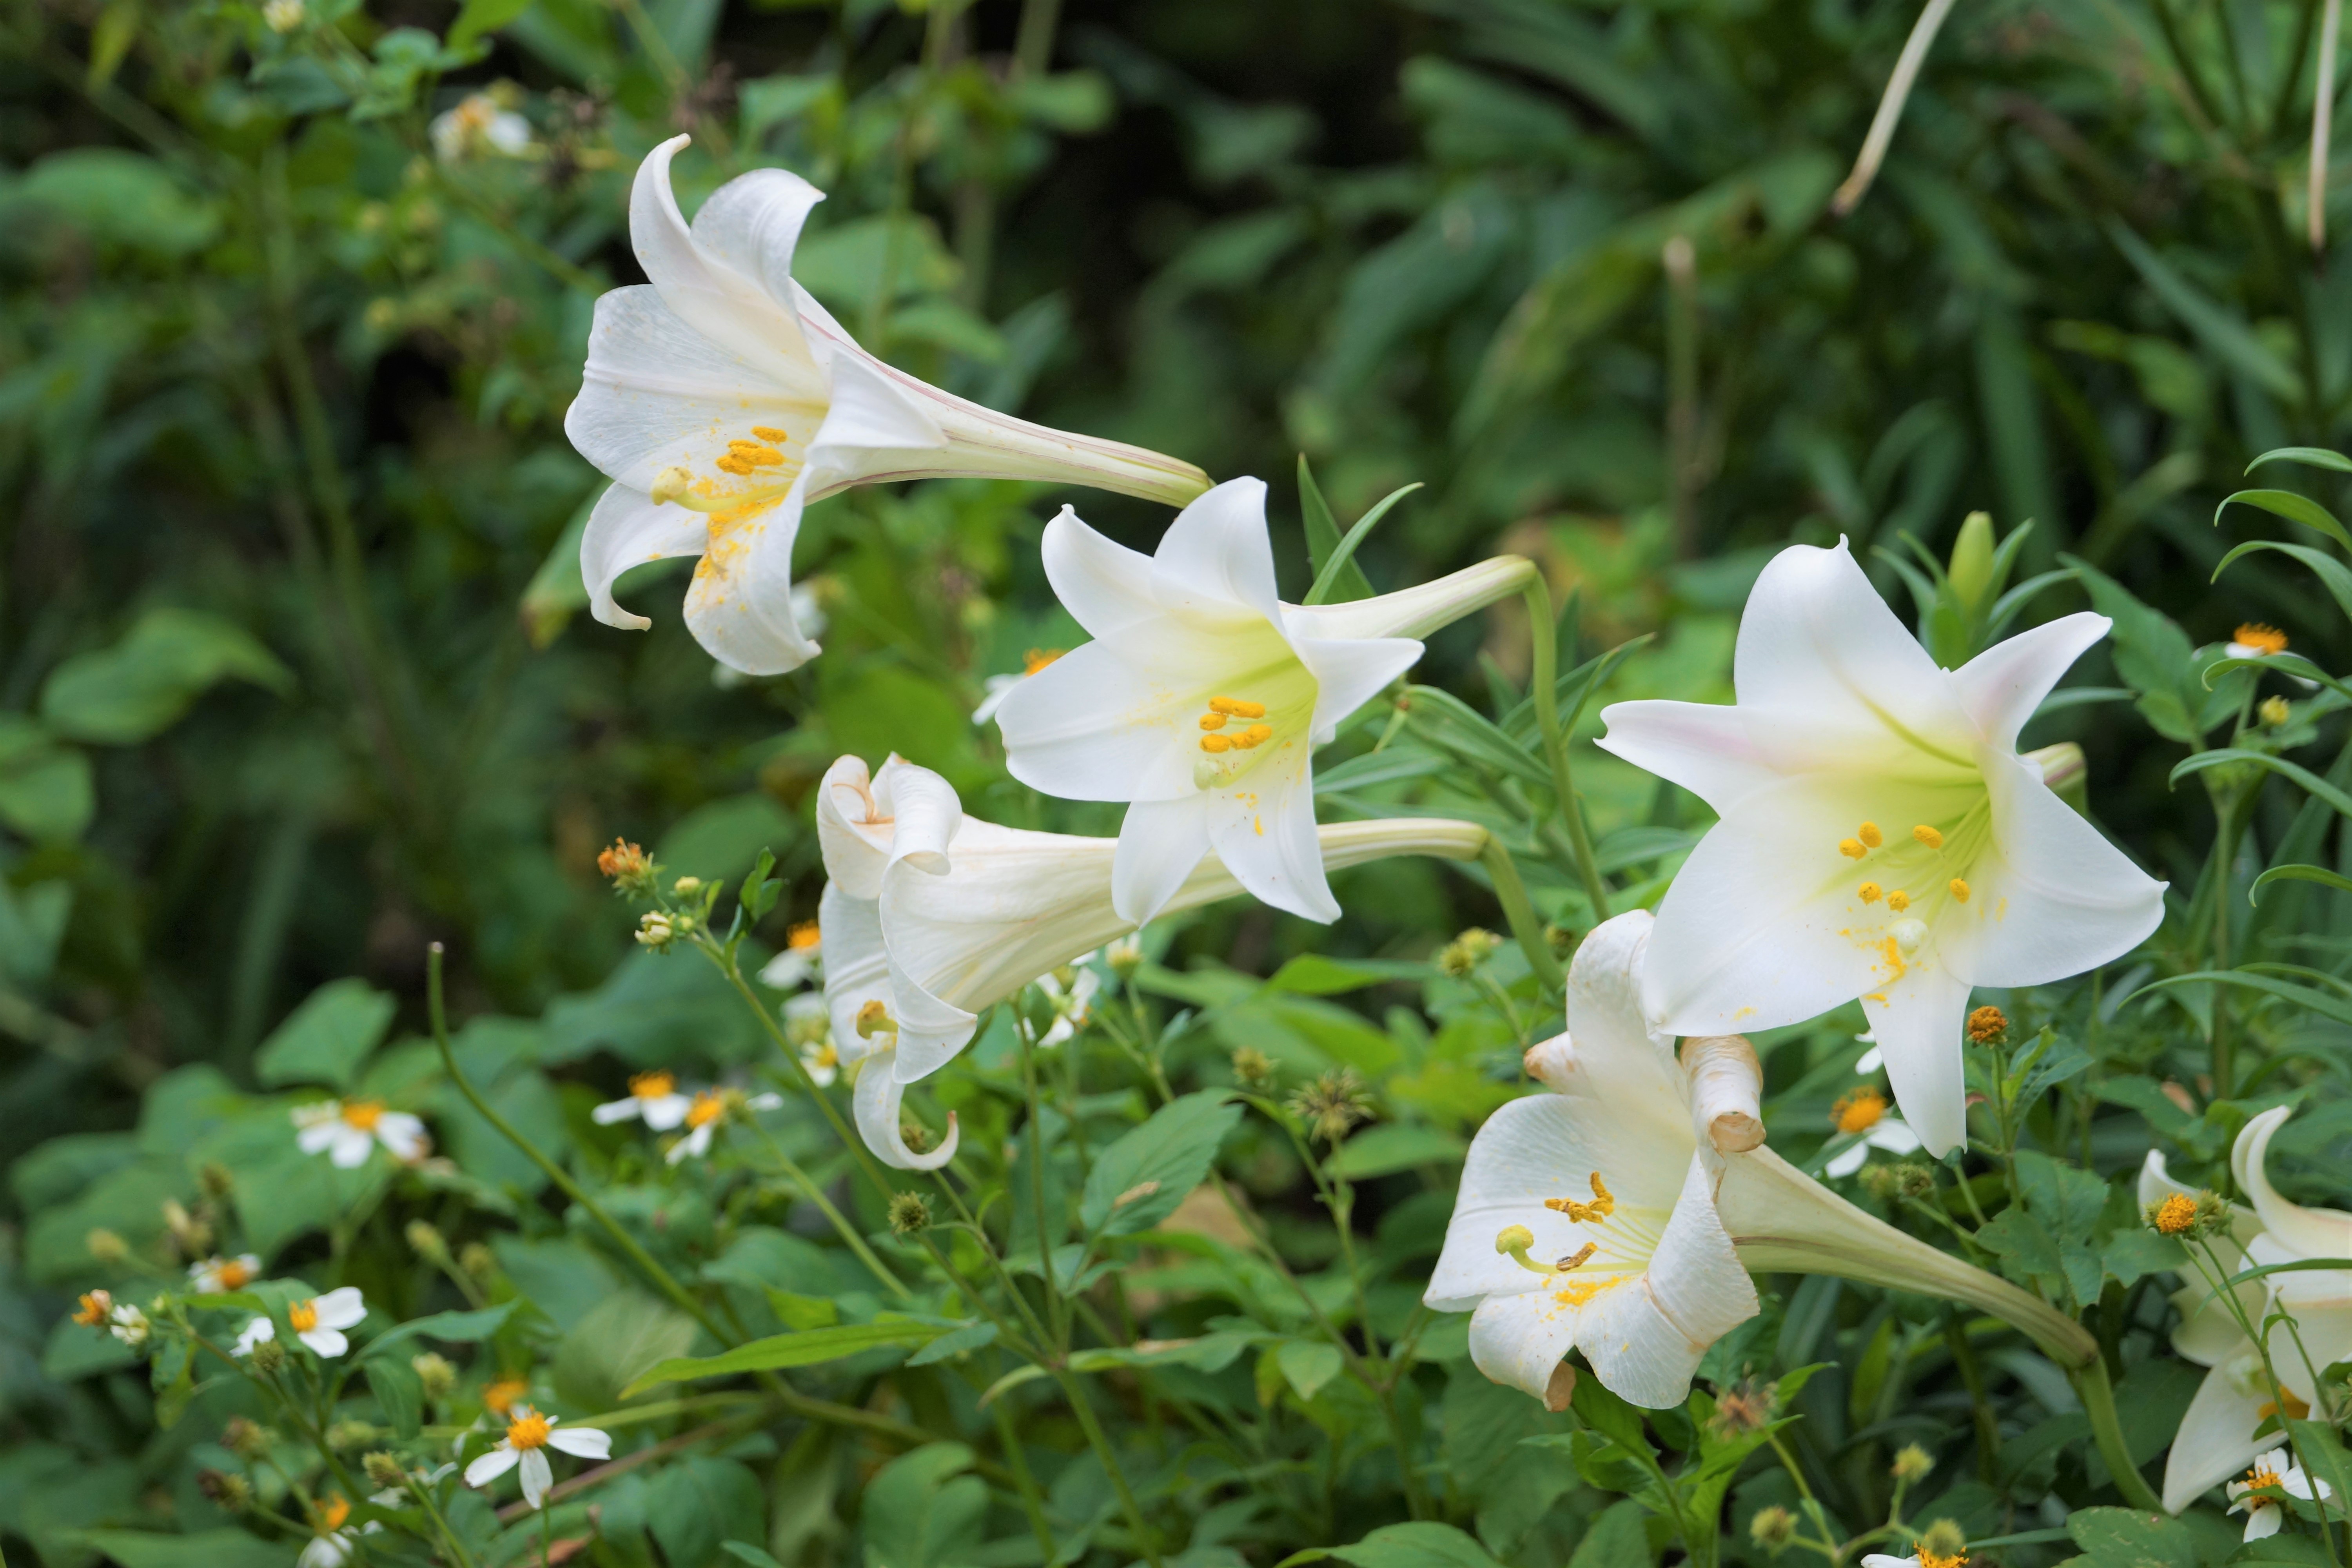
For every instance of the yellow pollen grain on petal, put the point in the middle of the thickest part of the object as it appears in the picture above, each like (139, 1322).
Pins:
(1870, 892)
(1899, 901)
(653, 1085)
(753, 453)
(709, 1107)
(1216, 744)
(1852, 849)
(1960, 889)
(1892, 952)
(303, 1316)
(1213, 721)
(1868, 833)
(1577, 1292)
(769, 433)
(1928, 835)
(528, 1429)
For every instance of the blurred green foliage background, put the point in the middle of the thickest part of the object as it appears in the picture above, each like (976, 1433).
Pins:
(293, 672)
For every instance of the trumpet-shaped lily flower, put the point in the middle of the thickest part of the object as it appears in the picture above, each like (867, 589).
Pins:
(1622, 1212)
(653, 1096)
(528, 1436)
(932, 916)
(1201, 698)
(1880, 837)
(722, 398)
(345, 1130)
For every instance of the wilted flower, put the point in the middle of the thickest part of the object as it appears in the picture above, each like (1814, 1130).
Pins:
(629, 867)
(91, 1312)
(1744, 1407)
(233, 1492)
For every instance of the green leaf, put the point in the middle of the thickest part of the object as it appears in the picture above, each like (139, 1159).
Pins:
(119, 197)
(46, 792)
(2223, 332)
(205, 1548)
(2332, 573)
(1307, 1365)
(1313, 974)
(1419, 1544)
(399, 1392)
(451, 1328)
(2310, 457)
(2320, 874)
(693, 1508)
(479, 18)
(921, 1510)
(806, 1348)
(2294, 508)
(619, 1345)
(1139, 1181)
(1328, 577)
(744, 1551)
(325, 1039)
(2127, 1538)
(1397, 1146)
(1323, 544)
(141, 686)
(2325, 1003)
(1616, 1540)
(971, 1336)
(2222, 756)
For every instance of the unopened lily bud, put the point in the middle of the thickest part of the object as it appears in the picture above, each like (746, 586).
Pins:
(2064, 770)
(1772, 1528)
(436, 1373)
(1971, 571)
(2277, 711)
(269, 1357)
(384, 1469)
(229, 1490)
(1912, 1463)
(910, 1215)
(248, 1440)
(106, 1245)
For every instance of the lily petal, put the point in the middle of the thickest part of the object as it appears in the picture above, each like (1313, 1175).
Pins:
(753, 223)
(1645, 1343)
(879, 1094)
(1704, 747)
(1217, 553)
(741, 605)
(1918, 1018)
(2216, 1439)
(628, 530)
(2001, 687)
(1158, 844)
(1266, 838)
(2305, 1232)
(720, 303)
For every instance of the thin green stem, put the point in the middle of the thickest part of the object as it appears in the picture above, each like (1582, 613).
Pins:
(1056, 1313)
(2099, 1403)
(1543, 637)
(834, 1217)
(1147, 1541)
(1520, 914)
(658, 1277)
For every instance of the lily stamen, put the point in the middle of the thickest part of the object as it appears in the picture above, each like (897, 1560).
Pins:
(1602, 1205)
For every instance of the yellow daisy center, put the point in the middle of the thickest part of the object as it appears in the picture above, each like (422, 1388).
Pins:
(1859, 1111)
(2176, 1215)
(803, 936)
(2265, 639)
(363, 1114)
(528, 1429)
(333, 1511)
(303, 1315)
(653, 1085)
(500, 1397)
(709, 1107)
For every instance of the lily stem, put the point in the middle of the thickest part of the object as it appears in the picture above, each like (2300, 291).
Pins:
(1543, 638)
(1512, 893)
(2098, 1398)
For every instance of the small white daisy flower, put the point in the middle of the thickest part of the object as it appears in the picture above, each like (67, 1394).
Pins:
(318, 1321)
(711, 1108)
(653, 1096)
(1071, 1001)
(2272, 1472)
(345, 1130)
(528, 1436)
(802, 961)
(215, 1276)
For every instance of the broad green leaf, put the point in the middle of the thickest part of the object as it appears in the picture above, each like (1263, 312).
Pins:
(450, 1328)
(1422, 1544)
(2125, 1537)
(2326, 1004)
(479, 18)
(2310, 457)
(1139, 1181)
(141, 686)
(921, 1510)
(119, 197)
(2225, 755)
(806, 1348)
(47, 791)
(1307, 1365)
(399, 1392)
(611, 1352)
(205, 1548)
(325, 1039)
(1398, 1146)
(1323, 544)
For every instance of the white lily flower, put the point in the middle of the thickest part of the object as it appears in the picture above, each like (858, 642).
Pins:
(319, 1321)
(1071, 1002)
(710, 1108)
(214, 1276)
(528, 1436)
(1880, 837)
(345, 1130)
(1622, 1212)
(722, 398)
(2272, 1470)
(802, 961)
(653, 1096)
(1203, 696)
(1862, 1115)
(932, 916)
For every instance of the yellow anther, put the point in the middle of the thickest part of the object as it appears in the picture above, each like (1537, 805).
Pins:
(1870, 892)
(1602, 1205)
(1899, 901)
(1581, 1257)
(758, 456)
(729, 463)
(1256, 735)
(1928, 835)
(769, 433)
(1852, 849)
(1960, 889)
(1216, 744)
(1238, 707)
(874, 1018)
(1213, 721)
(1868, 833)
(673, 483)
